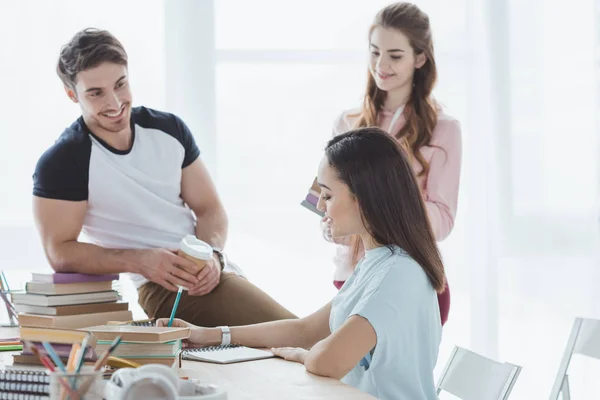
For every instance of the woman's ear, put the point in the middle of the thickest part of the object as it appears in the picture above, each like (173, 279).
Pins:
(420, 60)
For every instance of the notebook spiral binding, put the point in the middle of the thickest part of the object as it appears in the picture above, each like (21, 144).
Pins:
(22, 396)
(24, 376)
(24, 384)
(143, 323)
(22, 387)
(210, 348)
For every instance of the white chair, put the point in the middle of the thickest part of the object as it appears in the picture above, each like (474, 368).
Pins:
(470, 376)
(584, 340)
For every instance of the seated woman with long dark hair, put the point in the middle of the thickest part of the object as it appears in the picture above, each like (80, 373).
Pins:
(382, 331)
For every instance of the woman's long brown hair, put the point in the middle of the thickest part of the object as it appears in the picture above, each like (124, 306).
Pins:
(420, 111)
(381, 178)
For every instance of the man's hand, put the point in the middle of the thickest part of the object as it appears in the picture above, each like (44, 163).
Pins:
(162, 266)
(208, 278)
(295, 354)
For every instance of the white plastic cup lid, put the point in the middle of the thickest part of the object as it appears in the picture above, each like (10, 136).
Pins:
(196, 248)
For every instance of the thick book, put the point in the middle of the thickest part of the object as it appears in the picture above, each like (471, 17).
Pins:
(141, 350)
(75, 309)
(55, 335)
(312, 198)
(26, 360)
(139, 333)
(62, 350)
(225, 354)
(67, 288)
(63, 299)
(61, 277)
(73, 321)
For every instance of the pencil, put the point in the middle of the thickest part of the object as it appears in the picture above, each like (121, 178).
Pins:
(175, 305)
(82, 351)
(99, 364)
(5, 281)
(71, 368)
(55, 358)
(72, 356)
(102, 360)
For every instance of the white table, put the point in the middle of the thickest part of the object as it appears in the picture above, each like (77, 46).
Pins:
(268, 379)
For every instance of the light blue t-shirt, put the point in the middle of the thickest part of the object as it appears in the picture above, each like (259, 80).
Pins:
(394, 294)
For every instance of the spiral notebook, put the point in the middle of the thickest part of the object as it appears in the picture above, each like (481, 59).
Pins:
(225, 354)
(141, 322)
(23, 396)
(24, 384)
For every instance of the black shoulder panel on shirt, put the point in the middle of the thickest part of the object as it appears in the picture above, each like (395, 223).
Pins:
(170, 124)
(62, 172)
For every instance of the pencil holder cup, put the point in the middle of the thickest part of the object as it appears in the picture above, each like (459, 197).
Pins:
(85, 385)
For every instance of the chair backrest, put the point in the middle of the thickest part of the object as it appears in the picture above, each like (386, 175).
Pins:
(584, 340)
(471, 376)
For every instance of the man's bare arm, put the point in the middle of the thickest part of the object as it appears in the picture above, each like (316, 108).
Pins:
(59, 223)
(200, 194)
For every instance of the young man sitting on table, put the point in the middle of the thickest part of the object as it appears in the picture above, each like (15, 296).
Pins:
(132, 180)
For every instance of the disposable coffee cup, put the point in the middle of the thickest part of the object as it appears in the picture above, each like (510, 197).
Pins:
(195, 250)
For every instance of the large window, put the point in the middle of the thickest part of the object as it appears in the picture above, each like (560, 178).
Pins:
(550, 184)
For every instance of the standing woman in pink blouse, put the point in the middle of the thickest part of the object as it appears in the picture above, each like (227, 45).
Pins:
(402, 74)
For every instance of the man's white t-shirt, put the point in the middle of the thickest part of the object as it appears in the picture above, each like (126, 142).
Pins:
(133, 196)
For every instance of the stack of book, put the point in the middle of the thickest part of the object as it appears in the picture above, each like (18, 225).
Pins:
(69, 300)
(312, 198)
(62, 340)
(142, 344)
